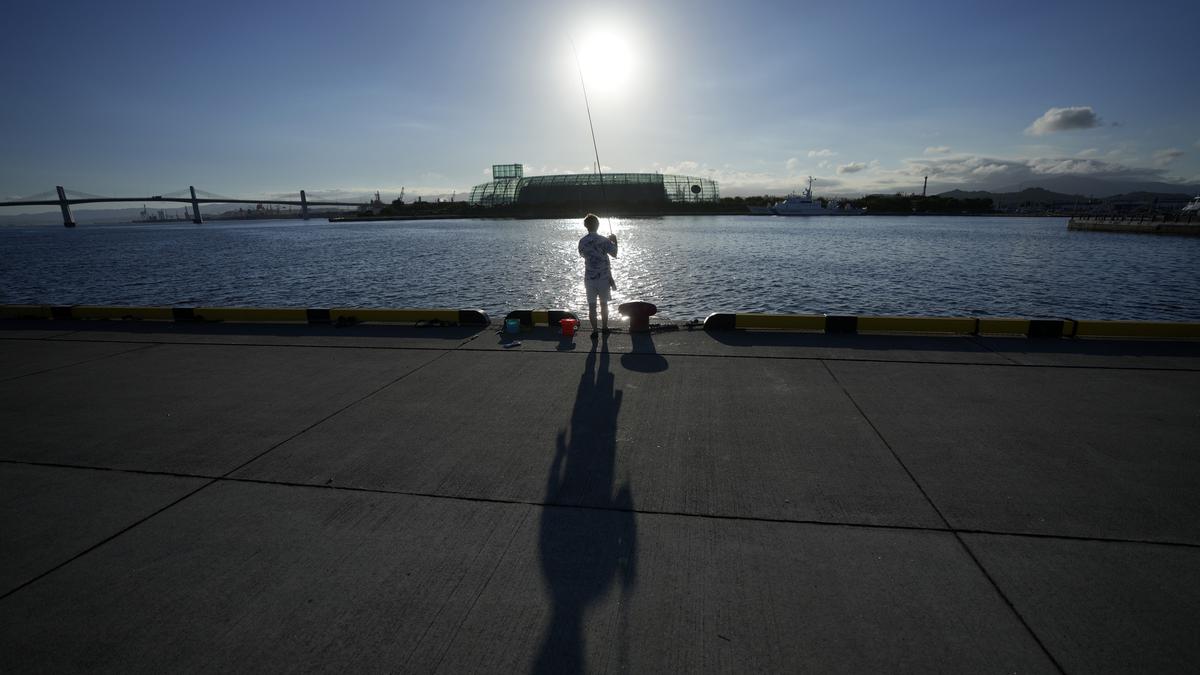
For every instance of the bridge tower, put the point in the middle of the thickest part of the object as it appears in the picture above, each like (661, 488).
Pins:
(195, 207)
(63, 204)
(303, 205)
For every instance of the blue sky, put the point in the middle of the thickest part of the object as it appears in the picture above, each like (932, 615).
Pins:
(256, 98)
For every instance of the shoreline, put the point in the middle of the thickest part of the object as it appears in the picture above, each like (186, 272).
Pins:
(492, 216)
(1186, 226)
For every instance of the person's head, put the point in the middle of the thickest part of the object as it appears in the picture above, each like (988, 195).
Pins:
(591, 222)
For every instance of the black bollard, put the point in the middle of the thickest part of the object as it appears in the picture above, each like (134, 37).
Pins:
(639, 314)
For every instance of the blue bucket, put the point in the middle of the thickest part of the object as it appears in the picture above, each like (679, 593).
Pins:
(512, 325)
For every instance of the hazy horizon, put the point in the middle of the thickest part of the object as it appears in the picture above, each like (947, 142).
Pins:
(258, 100)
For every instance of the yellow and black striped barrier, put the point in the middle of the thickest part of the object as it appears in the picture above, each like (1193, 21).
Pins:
(783, 322)
(461, 317)
(939, 325)
(25, 312)
(810, 323)
(540, 317)
(1138, 329)
(341, 315)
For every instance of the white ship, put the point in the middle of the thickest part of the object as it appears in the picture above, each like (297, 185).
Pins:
(804, 205)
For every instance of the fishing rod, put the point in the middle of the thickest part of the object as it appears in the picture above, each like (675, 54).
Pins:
(588, 107)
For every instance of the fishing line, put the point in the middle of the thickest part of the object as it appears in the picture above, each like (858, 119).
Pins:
(588, 107)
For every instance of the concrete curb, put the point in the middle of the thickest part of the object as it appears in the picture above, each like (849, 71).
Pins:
(1034, 328)
(437, 316)
(808, 323)
(540, 317)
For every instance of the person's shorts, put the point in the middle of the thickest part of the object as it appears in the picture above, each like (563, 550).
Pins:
(597, 288)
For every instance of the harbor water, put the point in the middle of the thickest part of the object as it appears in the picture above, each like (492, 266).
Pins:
(688, 266)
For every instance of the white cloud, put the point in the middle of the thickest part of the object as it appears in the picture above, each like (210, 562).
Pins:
(736, 181)
(1090, 152)
(1067, 165)
(937, 150)
(992, 171)
(944, 171)
(686, 167)
(978, 172)
(824, 152)
(1164, 157)
(793, 164)
(1063, 119)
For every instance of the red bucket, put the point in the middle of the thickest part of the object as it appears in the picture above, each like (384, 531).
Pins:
(568, 326)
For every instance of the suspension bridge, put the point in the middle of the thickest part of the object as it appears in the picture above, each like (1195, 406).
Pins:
(64, 200)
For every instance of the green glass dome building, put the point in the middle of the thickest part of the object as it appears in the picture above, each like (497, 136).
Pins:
(510, 187)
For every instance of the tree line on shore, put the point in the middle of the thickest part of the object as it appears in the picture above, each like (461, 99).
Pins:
(1034, 201)
(897, 203)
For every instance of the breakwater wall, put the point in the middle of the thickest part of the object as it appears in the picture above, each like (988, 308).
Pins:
(1185, 224)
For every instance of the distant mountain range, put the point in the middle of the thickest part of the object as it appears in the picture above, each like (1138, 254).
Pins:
(1067, 189)
(1042, 196)
(101, 216)
(85, 216)
(1100, 188)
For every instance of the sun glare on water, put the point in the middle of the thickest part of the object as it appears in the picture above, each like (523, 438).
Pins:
(607, 60)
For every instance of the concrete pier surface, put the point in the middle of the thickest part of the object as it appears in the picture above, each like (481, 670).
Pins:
(186, 498)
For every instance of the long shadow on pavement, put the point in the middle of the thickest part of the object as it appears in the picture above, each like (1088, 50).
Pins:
(584, 551)
(644, 358)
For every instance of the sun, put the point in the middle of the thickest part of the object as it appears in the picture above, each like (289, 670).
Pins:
(607, 59)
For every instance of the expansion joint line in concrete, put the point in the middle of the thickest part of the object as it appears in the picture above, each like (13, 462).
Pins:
(983, 345)
(42, 337)
(925, 362)
(333, 414)
(273, 345)
(635, 511)
(469, 339)
(1009, 363)
(211, 480)
(465, 346)
(80, 363)
(958, 537)
(104, 541)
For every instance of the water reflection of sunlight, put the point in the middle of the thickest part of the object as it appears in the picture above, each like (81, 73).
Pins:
(630, 268)
(687, 265)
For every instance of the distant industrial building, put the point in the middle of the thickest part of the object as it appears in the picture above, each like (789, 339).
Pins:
(589, 191)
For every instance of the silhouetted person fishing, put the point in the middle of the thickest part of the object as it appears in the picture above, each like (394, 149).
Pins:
(597, 273)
